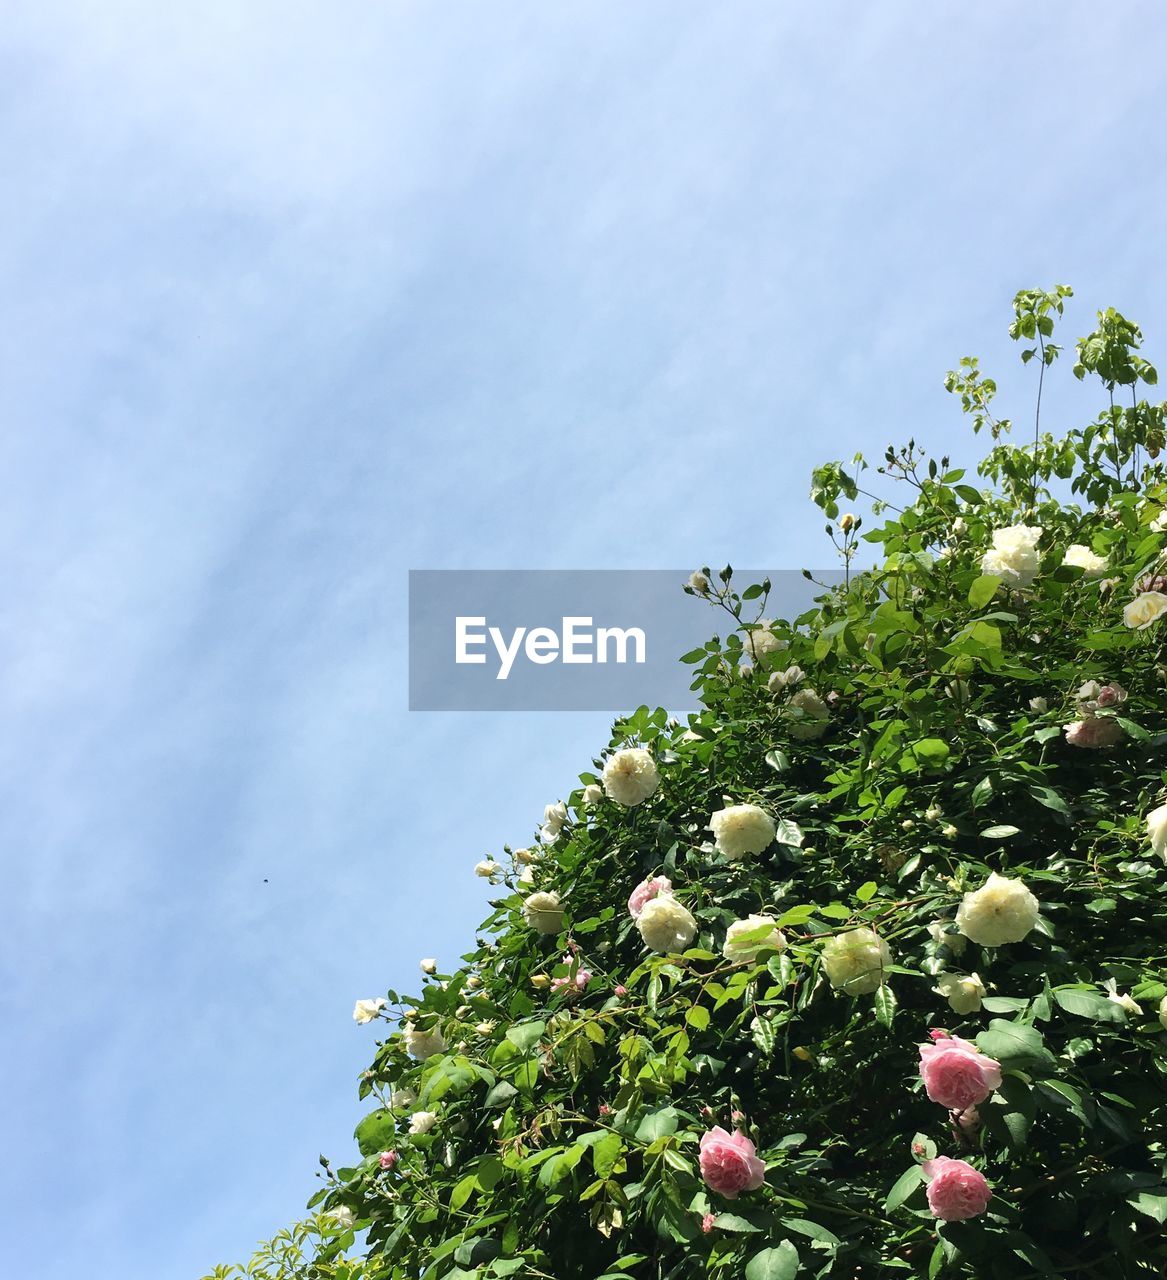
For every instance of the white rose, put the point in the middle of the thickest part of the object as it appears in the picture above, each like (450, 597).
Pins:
(665, 925)
(742, 829)
(958, 526)
(630, 776)
(1014, 557)
(1120, 998)
(423, 1044)
(591, 794)
(1157, 831)
(955, 942)
(366, 1010)
(782, 680)
(527, 876)
(486, 868)
(1163, 1013)
(964, 994)
(999, 912)
(422, 1121)
(855, 961)
(554, 816)
(741, 948)
(428, 966)
(525, 856)
(543, 912)
(1145, 609)
(1039, 706)
(1159, 524)
(761, 640)
(699, 582)
(1080, 557)
(807, 714)
(485, 1027)
(401, 1099)
(342, 1215)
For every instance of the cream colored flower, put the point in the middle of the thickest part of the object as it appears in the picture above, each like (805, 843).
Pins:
(554, 816)
(423, 1044)
(630, 776)
(485, 1027)
(428, 965)
(807, 715)
(591, 794)
(854, 962)
(342, 1215)
(525, 856)
(742, 829)
(742, 948)
(403, 1098)
(1159, 524)
(1080, 557)
(1144, 610)
(761, 640)
(487, 868)
(543, 912)
(1039, 706)
(699, 582)
(780, 681)
(1014, 557)
(1121, 998)
(955, 942)
(1157, 831)
(964, 994)
(665, 925)
(422, 1122)
(366, 1010)
(526, 877)
(1163, 1013)
(1001, 911)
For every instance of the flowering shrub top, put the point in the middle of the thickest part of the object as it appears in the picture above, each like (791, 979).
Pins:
(862, 971)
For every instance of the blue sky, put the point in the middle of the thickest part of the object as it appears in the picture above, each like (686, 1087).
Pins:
(297, 297)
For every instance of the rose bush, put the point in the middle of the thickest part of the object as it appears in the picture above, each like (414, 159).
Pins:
(935, 861)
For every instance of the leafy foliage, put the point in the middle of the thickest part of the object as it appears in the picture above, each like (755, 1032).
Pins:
(569, 1112)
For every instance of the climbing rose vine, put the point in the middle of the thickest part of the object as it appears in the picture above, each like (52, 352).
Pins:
(862, 970)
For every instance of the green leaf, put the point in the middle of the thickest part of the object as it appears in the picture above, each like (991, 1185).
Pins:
(526, 1035)
(867, 891)
(780, 1263)
(905, 1184)
(732, 1222)
(657, 1124)
(983, 590)
(1013, 1044)
(885, 1006)
(376, 1132)
(1153, 1203)
(1089, 1004)
(1003, 832)
(788, 832)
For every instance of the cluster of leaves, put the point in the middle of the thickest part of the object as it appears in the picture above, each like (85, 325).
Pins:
(568, 1119)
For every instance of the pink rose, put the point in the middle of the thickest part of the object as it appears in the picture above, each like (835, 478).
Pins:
(621, 989)
(956, 1074)
(644, 893)
(728, 1163)
(389, 1159)
(955, 1189)
(1094, 732)
(707, 1223)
